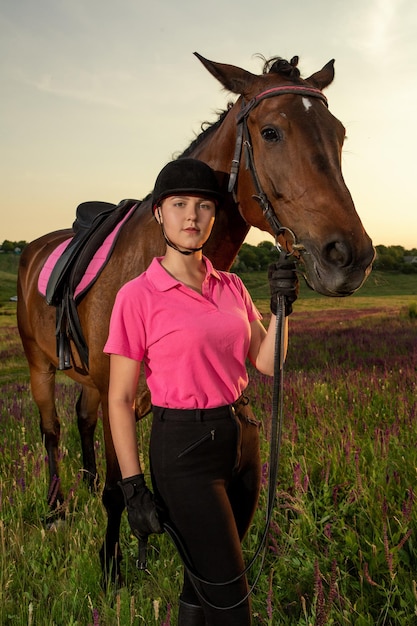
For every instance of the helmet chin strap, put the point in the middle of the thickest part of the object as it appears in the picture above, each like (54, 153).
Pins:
(175, 247)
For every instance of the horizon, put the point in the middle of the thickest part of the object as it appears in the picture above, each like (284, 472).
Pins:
(262, 238)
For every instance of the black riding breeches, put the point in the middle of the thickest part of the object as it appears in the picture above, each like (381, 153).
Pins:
(206, 475)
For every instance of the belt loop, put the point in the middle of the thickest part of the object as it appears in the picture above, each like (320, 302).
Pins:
(198, 415)
(158, 413)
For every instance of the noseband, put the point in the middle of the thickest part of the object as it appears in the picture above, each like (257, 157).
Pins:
(243, 138)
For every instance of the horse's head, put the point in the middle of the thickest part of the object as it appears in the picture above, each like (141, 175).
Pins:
(291, 169)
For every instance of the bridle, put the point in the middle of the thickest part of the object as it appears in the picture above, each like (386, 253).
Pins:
(243, 139)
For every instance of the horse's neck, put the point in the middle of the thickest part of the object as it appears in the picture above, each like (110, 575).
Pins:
(139, 242)
(230, 229)
(227, 237)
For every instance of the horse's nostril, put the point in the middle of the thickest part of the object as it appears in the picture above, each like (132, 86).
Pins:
(338, 253)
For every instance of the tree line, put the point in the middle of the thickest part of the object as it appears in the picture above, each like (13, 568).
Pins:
(388, 258)
(257, 258)
(12, 246)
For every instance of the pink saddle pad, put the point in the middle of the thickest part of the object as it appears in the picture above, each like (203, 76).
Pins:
(97, 262)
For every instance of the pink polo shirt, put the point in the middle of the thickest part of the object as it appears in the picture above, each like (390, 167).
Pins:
(193, 346)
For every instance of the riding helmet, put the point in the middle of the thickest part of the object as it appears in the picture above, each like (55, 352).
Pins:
(186, 177)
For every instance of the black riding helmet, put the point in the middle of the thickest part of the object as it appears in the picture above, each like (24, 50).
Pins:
(188, 177)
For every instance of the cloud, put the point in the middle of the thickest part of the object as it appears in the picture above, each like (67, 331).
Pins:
(84, 87)
(382, 19)
(376, 27)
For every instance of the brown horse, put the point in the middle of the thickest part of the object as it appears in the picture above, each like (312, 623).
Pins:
(288, 183)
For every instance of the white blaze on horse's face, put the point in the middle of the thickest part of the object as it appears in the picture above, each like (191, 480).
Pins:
(307, 103)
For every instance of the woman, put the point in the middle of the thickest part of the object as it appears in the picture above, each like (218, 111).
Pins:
(193, 328)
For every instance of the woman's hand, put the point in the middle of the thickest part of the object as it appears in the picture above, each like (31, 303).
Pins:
(283, 281)
(141, 509)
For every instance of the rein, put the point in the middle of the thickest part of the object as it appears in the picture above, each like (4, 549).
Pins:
(243, 139)
(274, 447)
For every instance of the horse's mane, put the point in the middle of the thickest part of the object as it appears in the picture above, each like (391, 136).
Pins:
(274, 65)
(278, 65)
(206, 129)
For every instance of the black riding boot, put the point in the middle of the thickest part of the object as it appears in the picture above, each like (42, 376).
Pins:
(190, 615)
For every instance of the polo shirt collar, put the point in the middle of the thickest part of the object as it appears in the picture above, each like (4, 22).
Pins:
(163, 281)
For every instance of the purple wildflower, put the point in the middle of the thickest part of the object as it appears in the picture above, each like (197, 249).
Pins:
(407, 506)
(167, 621)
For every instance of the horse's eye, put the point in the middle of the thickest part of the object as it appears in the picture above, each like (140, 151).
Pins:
(270, 134)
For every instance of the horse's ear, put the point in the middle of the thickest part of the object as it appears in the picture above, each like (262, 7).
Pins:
(233, 78)
(324, 77)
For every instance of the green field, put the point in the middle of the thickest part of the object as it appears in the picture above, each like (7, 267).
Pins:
(8, 275)
(379, 284)
(342, 545)
(396, 289)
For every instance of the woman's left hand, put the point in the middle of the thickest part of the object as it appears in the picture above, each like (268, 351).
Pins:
(283, 281)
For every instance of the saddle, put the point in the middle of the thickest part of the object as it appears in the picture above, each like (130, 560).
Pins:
(95, 222)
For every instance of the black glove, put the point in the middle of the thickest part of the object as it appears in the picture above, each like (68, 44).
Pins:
(141, 508)
(283, 281)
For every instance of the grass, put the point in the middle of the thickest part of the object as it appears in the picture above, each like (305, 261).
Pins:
(342, 545)
(397, 290)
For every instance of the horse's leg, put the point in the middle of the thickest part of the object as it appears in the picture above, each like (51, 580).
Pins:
(110, 553)
(87, 415)
(42, 380)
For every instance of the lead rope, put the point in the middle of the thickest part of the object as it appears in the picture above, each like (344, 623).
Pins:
(274, 448)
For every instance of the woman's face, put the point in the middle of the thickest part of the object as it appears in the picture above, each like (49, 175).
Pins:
(187, 220)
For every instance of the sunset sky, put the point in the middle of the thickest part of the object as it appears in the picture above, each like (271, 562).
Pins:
(96, 96)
